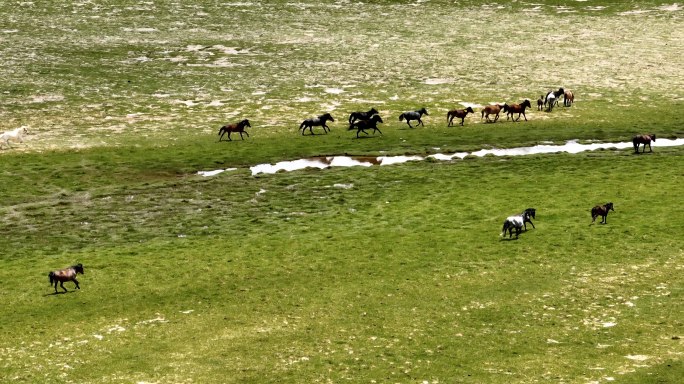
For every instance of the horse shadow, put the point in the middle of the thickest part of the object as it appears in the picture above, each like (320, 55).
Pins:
(59, 293)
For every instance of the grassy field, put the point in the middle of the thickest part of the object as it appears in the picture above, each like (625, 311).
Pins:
(388, 274)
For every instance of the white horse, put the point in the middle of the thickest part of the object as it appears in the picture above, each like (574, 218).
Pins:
(15, 134)
(515, 222)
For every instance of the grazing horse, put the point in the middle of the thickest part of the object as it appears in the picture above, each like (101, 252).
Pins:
(519, 109)
(362, 125)
(514, 222)
(15, 134)
(460, 113)
(568, 98)
(645, 140)
(540, 103)
(493, 109)
(601, 210)
(316, 122)
(414, 115)
(362, 115)
(237, 127)
(528, 214)
(67, 274)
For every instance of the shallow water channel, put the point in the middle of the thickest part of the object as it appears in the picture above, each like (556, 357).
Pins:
(571, 146)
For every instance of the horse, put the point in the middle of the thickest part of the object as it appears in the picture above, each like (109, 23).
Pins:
(414, 115)
(514, 222)
(362, 125)
(493, 109)
(519, 109)
(568, 98)
(237, 127)
(528, 214)
(552, 98)
(67, 274)
(601, 210)
(316, 122)
(15, 134)
(362, 115)
(645, 140)
(540, 103)
(460, 113)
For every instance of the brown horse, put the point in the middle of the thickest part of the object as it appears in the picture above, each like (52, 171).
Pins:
(460, 113)
(493, 109)
(645, 140)
(601, 210)
(519, 109)
(362, 125)
(66, 274)
(237, 127)
(568, 98)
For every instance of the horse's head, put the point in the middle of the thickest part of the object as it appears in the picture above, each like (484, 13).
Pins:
(526, 103)
(504, 107)
(531, 211)
(78, 268)
(373, 111)
(609, 207)
(653, 136)
(326, 116)
(423, 111)
(245, 123)
(561, 91)
(469, 110)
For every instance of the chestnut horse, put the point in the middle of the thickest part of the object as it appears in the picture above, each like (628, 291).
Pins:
(66, 274)
(601, 210)
(362, 125)
(493, 109)
(645, 140)
(568, 98)
(460, 113)
(519, 109)
(316, 122)
(237, 127)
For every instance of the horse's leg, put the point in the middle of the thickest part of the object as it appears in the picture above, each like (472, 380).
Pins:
(525, 116)
(420, 122)
(462, 120)
(61, 284)
(376, 129)
(56, 282)
(76, 282)
(229, 139)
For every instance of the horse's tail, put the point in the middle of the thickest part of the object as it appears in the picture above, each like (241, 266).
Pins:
(221, 130)
(635, 143)
(301, 126)
(51, 277)
(505, 227)
(401, 117)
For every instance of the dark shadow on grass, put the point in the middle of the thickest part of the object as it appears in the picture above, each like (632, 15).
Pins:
(59, 293)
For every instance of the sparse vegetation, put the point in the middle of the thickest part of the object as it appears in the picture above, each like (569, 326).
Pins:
(369, 275)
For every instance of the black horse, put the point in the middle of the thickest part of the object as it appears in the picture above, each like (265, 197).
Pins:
(529, 213)
(362, 115)
(414, 115)
(316, 122)
(601, 210)
(362, 125)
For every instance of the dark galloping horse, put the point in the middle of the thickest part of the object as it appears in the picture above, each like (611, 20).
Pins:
(237, 127)
(645, 140)
(414, 115)
(601, 210)
(460, 113)
(362, 115)
(519, 109)
(316, 122)
(362, 125)
(66, 274)
(527, 214)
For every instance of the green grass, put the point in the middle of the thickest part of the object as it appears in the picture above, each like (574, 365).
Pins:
(392, 274)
